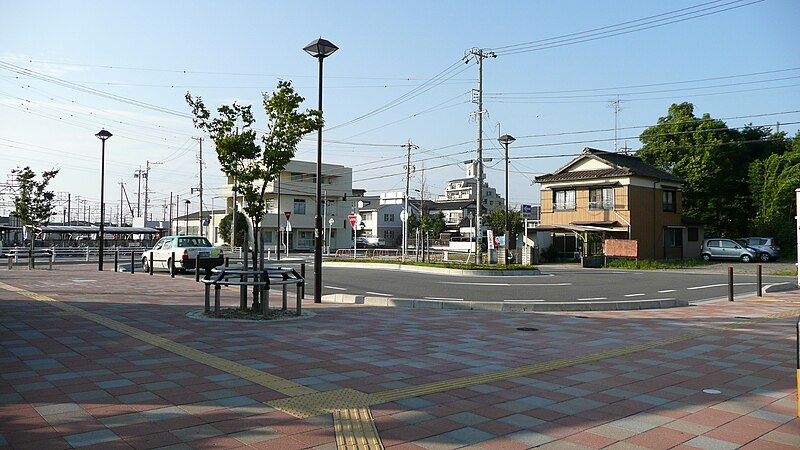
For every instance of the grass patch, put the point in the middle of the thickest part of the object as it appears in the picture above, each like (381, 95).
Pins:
(650, 264)
(785, 273)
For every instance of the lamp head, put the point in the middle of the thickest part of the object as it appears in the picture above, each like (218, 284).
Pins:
(320, 48)
(506, 139)
(103, 134)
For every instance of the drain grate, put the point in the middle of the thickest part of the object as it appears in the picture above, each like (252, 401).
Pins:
(527, 329)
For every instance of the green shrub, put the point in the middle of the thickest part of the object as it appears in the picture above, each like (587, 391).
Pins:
(650, 264)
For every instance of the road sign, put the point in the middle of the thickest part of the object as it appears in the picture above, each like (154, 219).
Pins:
(288, 214)
(330, 221)
(359, 219)
(526, 211)
(403, 215)
(288, 226)
(352, 219)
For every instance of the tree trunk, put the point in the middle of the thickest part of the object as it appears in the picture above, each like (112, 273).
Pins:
(31, 260)
(256, 303)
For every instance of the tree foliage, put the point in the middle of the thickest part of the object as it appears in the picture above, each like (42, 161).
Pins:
(714, 161)
(241, 228)
(496, 221)
(33, 203)
(250, 164)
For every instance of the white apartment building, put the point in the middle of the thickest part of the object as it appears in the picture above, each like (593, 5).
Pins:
(464, 190)
(295, 193)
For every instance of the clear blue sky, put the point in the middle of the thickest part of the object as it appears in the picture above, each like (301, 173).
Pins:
(553, 95)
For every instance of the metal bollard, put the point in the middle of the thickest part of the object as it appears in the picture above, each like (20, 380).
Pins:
(116, 260)
(172, 266)
(10, 263)
(52, 258)
(133, 262)
(197, 267)
(758, 281)
(150, 264)
(303, 275)
(730, 284)
(226, 261)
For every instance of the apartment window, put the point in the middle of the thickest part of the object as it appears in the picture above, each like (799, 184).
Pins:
(388, 217)
(305, 239)
(298, 177)
(564, 200)
(601, 198)
(388, 234)
(675, 236)
(299, 206)
(693, 234)
(366, 216)
(668, 200)
(269, 236)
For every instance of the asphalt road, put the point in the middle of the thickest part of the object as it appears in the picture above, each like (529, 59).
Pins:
(553, 285)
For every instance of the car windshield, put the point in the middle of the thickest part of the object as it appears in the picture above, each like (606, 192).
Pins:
(742, 242)
(193, 242)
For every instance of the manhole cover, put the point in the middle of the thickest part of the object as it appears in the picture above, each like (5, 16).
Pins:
(527, 329)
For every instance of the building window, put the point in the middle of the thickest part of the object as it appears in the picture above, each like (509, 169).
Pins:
(388, 217)
(297, 177)
(668, 200)
(602, 198)
(305, 239)
(269, 236)
(693, 234)
(388, 234)
(299, 206)
(675, 236)
(564, 200)
(366, 216)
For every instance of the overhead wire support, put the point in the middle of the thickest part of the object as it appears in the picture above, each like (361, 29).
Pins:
(479, 54)
(409, 170)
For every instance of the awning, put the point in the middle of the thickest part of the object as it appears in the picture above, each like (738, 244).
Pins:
(91, 229)
(581, 228)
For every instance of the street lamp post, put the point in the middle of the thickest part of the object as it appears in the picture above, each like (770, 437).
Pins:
(103, 135)
(320, 49)
(505, 140)
(187, 215)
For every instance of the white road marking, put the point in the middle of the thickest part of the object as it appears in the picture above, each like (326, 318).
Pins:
(716, 285)
(666, 290)
(634, 295)
(524, 300)
(378, 293)
(443, 298)
(592, 298)
(335, 288)
(83, 281)
(505, 284)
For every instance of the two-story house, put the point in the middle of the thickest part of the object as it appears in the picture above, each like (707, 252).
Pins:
(615, 195)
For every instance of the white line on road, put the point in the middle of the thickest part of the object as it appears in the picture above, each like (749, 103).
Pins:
(634, 295)
(443, 298)
(592, 298)
(378, 293)
(666, 291)
(505, 284)
(524, 300)
(716, 285)
(335, 288)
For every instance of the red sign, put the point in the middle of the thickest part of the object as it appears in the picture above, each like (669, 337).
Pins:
(287, 214)
(352, 220)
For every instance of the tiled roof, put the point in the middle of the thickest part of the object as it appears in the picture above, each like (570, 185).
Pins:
(622, 166)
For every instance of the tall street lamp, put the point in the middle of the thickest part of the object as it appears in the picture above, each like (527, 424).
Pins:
(320, 49)
(505, 140)
(103, 135)
(187, 215)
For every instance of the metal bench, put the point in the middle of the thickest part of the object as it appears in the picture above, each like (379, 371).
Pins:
(265, 279)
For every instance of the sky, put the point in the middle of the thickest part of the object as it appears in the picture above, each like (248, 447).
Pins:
(71, 68)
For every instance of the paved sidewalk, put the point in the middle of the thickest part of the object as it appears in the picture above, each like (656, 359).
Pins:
(111, 360)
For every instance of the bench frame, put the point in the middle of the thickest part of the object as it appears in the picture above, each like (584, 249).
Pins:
(264, 279)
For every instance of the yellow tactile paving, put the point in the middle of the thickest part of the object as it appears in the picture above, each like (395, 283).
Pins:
(355, 429)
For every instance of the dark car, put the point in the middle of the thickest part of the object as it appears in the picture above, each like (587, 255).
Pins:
(766, 247)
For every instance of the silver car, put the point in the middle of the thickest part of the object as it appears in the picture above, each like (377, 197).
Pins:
(721, 248)
(767, 247)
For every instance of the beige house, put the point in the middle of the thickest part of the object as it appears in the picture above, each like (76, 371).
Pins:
(603, 195)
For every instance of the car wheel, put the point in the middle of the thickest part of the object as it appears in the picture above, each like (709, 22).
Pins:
(706, 257)
(746, 258)
(146, 265)
(764, 257)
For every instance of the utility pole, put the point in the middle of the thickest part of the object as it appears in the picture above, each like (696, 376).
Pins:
(121, 190)
(69, 209)
(170, 214)
(139, 173)
(200, 140)
(479, 54)
(616, 106)
(147, 189)
(409, 171)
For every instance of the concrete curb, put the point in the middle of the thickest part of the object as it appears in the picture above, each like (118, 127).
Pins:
(437, 270)
(502, 306)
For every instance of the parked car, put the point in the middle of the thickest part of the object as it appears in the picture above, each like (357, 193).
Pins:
(185, 249)
(721, 248)
(370, 241)
(767, 247)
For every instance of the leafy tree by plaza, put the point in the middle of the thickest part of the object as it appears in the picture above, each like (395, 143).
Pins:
(33, 203)
(496, 221)
(713, 159)
(252, 166)
(433, 224)
(773, 182)
(241, 228)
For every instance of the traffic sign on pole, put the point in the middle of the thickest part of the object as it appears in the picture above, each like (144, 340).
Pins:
(352, 219)
(288, 214)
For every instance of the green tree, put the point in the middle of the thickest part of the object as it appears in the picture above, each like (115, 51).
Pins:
(496, 221)
(241, 228)
(252, 166)
(714, 161)
(33, 203)
(773, 182)
(433, 225)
